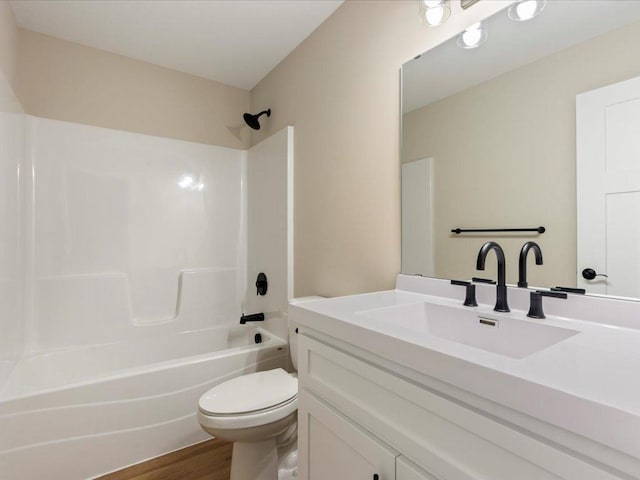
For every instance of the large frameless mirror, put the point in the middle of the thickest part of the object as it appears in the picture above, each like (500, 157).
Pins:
(538, 126)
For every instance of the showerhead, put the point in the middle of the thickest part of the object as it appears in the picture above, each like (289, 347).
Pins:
(253, 120)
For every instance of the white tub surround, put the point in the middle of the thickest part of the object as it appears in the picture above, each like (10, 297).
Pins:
(269, 219)
(123, 274)
(12, 151)
(102, 408)
(132, 235)
(572, 383)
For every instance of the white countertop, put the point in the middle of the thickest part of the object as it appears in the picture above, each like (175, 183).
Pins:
(588, 383)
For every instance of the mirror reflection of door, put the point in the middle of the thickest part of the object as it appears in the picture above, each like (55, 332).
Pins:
(417, 217)
(608, 188)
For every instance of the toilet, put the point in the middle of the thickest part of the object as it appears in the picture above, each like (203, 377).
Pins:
(258, 413)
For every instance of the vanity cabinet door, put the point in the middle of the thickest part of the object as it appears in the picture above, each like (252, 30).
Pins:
(331, 447)
(406, 470)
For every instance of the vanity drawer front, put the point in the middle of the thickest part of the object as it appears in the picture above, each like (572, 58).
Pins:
(444, 437)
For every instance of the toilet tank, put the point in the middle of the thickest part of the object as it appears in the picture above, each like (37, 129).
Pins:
(293, 335)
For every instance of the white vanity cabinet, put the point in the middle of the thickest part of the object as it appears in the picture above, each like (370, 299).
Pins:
(359, 417)
(335, 448)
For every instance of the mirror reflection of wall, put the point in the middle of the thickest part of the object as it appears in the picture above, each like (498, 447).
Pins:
(499, 122)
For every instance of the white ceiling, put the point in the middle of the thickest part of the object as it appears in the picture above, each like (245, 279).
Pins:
(236, 42)
(449, 69)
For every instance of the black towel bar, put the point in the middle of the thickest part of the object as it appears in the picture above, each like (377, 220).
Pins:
(490, 230)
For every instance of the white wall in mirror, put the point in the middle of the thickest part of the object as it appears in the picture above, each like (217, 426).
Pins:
(417, 216)
(500, 123)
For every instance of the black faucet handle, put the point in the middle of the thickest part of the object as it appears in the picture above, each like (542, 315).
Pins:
(483, 280)
(535, 306)
(553, 294)
(578, 291)
(470, 297)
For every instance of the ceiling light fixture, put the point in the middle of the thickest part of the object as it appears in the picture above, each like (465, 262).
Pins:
(473, 37)
(524, 10)
(434, 12)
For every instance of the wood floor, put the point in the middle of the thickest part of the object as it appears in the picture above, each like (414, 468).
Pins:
(210, 460)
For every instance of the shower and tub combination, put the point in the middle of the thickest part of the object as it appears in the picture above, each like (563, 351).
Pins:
(134, 259)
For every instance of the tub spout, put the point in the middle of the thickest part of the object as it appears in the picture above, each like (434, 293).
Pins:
(255, 317)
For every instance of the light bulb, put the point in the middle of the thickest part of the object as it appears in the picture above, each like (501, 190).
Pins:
(524, 10)
(434, 12)
(434, 15)
(527, 9)
(472, 37)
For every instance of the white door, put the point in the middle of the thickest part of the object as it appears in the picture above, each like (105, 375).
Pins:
(417, 217)
(331, 447)
(608, 188)
(406, 470)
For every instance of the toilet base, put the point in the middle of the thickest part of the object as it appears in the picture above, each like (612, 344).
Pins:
(288, 461)
(255, 460)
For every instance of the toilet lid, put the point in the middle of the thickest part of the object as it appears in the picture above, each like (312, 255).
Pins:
(249, 393)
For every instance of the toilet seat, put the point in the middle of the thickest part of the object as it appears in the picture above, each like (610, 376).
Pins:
(248, 420)
(250, 400)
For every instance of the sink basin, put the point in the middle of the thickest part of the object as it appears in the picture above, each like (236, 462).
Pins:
(498, 334)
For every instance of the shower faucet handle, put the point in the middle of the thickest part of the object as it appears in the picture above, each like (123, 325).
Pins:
(261, 284)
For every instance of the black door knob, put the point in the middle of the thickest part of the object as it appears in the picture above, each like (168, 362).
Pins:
(590, 274)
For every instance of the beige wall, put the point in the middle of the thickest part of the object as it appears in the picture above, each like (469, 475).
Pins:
(8, 44)
(505, 155)
(340, 89)
(67, 81)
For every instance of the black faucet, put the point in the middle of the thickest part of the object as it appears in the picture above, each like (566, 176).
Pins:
(501, 287)
(522, 270)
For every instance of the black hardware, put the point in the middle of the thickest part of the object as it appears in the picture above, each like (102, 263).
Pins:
(579, 291)
(483, 280)
(262, 284)
(501, 288)
(486, 321)
(470, 298)
(535, 307)
(296, 329)
(590, 274)
(522, 270)
(254, 120)
(257, 338)
(255, 317)
(376, 477)
(489, 230)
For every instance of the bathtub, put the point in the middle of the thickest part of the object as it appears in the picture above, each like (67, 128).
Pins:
(83, 412)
